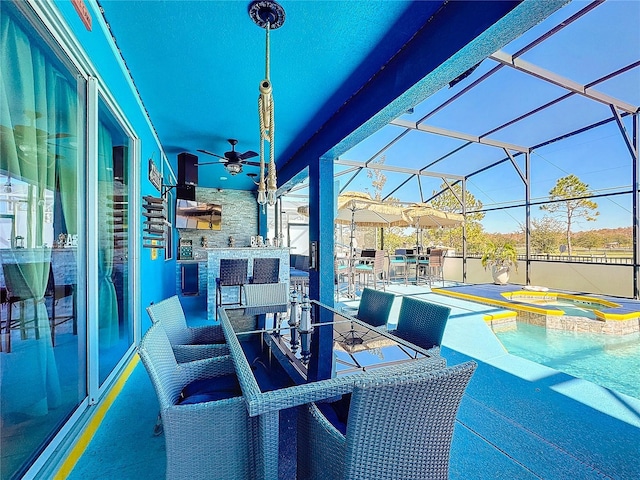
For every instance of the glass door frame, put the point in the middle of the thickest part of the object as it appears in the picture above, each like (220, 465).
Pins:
(96, 92)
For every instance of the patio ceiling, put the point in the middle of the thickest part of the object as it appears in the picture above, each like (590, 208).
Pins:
(578, 69)
(340, 70)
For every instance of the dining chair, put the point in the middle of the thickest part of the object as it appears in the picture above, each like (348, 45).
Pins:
(208, 433)
(374, 307)
(421, 323)
(393, 426)
(266, 270)
(233, 273)
(188, 343)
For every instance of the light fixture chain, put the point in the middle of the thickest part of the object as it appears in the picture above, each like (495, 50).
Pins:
(268, 53)
(263, 14)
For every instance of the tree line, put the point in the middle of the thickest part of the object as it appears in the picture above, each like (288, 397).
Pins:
(552, 233)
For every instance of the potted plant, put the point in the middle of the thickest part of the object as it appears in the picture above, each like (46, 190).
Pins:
(500, 257)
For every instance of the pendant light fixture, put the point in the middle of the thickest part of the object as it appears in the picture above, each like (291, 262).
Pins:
(269, 15)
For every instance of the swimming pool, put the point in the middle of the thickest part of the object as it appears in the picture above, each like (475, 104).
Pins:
(612, 361)
(553, 309)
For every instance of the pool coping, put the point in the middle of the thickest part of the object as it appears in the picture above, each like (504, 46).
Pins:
(495, 295)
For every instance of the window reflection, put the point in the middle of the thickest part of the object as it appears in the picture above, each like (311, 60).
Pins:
(115, 329)
(43, 352)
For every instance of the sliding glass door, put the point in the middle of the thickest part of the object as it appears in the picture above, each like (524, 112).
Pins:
(42, 330)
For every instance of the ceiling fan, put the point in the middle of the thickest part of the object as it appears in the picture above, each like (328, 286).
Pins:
(232, 160)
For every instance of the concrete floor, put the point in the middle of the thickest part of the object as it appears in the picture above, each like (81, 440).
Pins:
(518, 419)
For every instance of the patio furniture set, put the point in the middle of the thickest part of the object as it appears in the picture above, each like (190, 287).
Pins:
(371, 403)
(381, 268)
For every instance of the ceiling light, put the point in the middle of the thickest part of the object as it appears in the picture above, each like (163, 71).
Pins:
(267, 14)
(233, 168)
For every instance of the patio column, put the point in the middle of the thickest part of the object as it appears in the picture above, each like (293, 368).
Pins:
(321, 213)
(321, 275)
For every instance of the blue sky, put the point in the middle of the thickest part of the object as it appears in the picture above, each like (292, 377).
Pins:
(604, 40)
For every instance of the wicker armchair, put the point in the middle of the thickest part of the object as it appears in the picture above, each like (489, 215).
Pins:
(374, 307)
(208, 432)
(189, 343)
(396, 427)
(421, 323)
(266, 294)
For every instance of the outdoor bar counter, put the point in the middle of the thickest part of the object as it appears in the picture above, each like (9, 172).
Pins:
(230, 294)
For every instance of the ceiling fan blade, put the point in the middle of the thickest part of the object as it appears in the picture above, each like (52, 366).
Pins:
(253, 164)
(212, 154)
(247, 154)
(209, 163)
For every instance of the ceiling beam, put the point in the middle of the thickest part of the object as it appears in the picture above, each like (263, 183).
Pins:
(543, 74)
(458, 135)
(391, 168)
(458, 36)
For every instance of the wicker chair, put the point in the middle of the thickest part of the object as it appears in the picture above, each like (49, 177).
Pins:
(266, 294)
(421, 323)
(208, 432)
(266, 270)
(233, 273)
(188, 343)
(374, 307)
(396, 427)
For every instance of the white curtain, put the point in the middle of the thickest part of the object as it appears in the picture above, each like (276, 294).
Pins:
(108, 304)
(30, 112)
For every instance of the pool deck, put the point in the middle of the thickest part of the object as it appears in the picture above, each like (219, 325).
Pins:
(518, 419)
(613, 308)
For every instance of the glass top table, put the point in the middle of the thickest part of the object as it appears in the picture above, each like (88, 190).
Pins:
(281, 365)
(333, 344)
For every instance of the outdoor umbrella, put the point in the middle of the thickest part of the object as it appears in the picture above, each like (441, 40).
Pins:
(359, 209)
(423, 215)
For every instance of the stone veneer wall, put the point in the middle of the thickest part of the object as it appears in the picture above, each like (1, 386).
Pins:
(239, 219)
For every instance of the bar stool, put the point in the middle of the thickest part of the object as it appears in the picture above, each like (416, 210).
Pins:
(57, 292)
(233, 273)
(266, 270)
(20, 291)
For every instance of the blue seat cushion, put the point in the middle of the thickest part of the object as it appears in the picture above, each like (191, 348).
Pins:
(210, 390)
(367, 268)
(337, 413)
(298, 273)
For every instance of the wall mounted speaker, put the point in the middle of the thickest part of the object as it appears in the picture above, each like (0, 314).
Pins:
(120, 157)
(187, 170)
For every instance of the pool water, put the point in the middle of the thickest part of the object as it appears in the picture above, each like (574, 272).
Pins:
(610, 361)
(570, 307)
